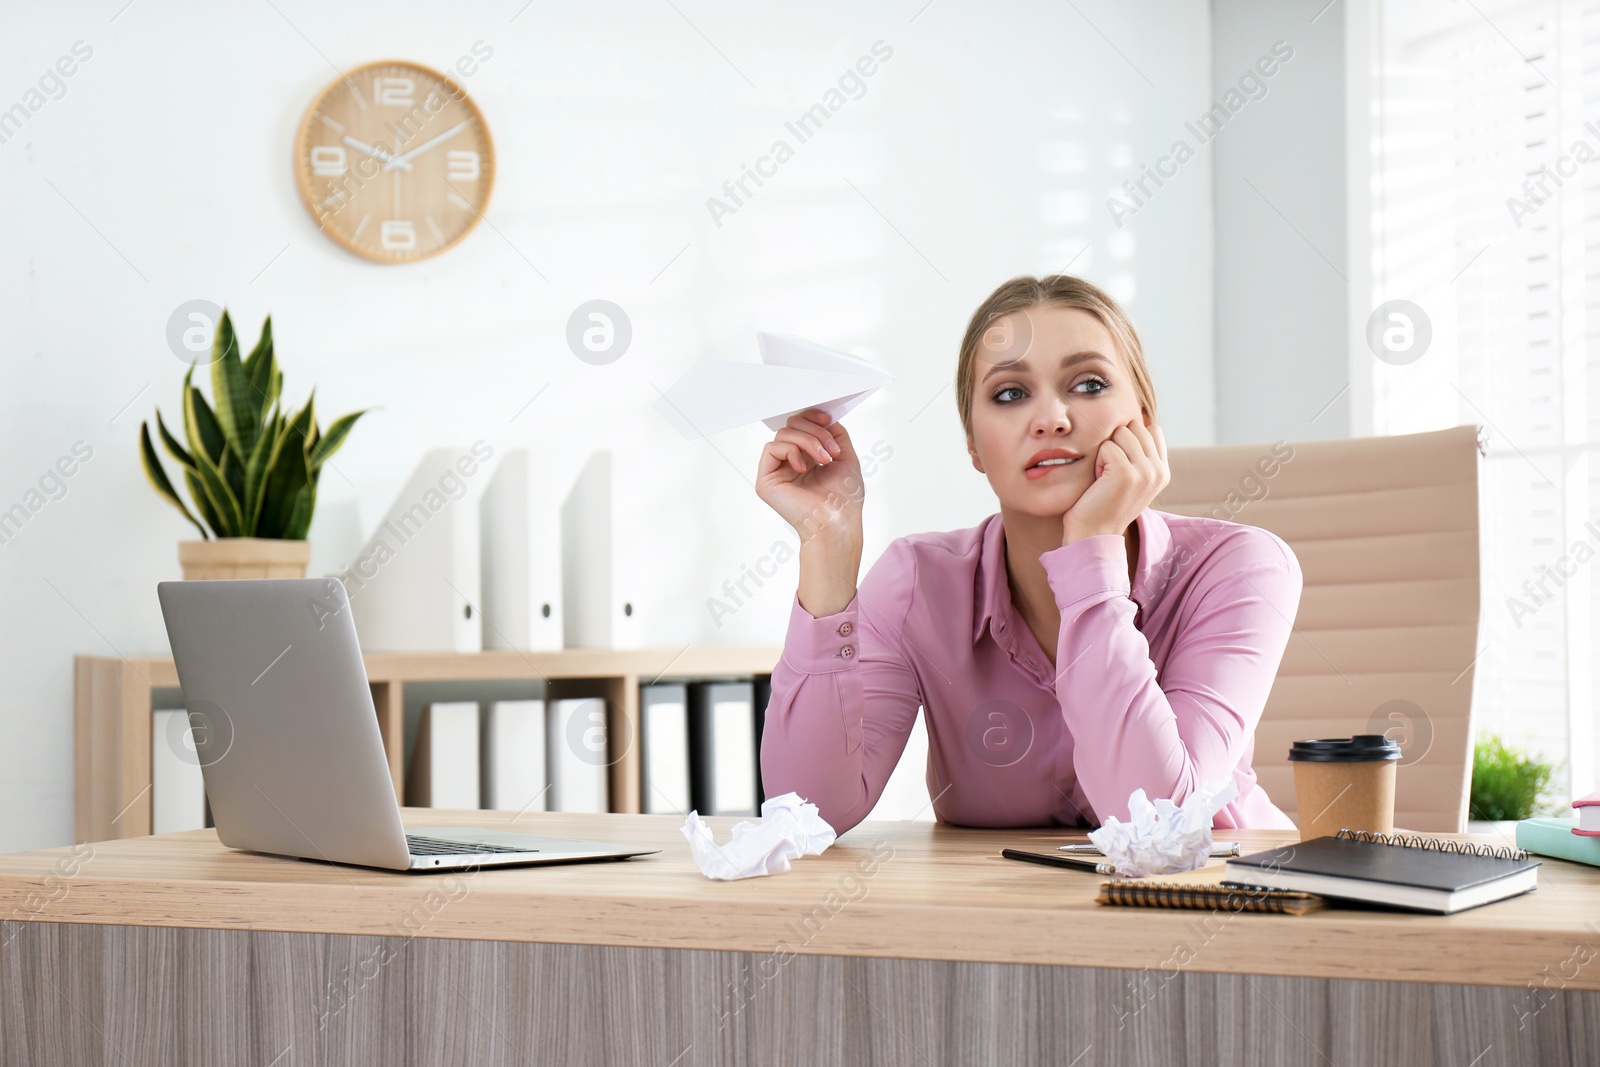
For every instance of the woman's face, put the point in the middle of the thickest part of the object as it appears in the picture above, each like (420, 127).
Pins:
(1046, 377)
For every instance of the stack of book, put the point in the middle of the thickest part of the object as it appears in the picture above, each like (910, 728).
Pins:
(1352, 867)
(1577, 840)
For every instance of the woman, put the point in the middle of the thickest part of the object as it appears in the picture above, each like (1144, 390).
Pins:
(1072, 648)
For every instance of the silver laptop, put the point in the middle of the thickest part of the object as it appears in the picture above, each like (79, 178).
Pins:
(287, 735)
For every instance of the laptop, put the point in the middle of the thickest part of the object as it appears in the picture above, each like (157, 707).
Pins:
(287, 735)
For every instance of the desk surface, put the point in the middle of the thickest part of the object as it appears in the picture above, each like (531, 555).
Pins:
(912, 890)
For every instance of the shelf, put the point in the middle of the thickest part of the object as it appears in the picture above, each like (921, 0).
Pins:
(112, 712)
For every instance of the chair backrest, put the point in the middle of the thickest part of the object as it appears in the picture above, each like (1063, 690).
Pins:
(1386, 532)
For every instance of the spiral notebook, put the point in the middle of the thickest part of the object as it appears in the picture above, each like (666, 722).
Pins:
(1204, 889)
(1404, 871)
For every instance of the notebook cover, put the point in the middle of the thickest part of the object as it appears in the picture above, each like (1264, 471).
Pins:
(1368, 861)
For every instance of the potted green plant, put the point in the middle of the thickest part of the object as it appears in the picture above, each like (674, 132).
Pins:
(1508, 784)
(251, 471)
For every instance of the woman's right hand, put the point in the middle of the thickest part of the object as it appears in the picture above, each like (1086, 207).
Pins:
(811, 476)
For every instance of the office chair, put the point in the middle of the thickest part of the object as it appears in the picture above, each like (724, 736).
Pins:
(1386, 532)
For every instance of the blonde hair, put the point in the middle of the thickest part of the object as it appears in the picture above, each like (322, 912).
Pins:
(1056, 290)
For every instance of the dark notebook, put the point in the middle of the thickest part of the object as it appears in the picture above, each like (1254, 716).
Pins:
(1392, 870)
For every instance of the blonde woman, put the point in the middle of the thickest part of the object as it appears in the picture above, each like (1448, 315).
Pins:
(1069, 649)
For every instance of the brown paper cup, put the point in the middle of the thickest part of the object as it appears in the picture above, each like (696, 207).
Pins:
(1344, 782)
(1331, 796)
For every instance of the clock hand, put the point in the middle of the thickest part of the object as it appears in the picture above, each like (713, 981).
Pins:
(400, 160)
(386, 158)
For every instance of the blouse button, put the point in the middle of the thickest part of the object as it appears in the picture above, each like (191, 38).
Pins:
(844, 629)
(847, 652)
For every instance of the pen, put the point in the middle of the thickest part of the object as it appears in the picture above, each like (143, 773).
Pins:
(1076, 863)
(1220, 848)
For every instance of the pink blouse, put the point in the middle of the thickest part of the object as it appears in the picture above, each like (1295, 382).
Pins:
(1158, 687)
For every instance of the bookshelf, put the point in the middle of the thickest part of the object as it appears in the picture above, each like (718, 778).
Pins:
(114, 704)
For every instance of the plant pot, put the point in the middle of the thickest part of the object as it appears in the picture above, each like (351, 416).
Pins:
(243, 557)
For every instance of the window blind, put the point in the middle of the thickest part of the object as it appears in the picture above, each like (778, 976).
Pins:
(1486, 214)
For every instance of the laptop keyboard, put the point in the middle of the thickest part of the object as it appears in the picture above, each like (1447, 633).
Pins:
(435, 846)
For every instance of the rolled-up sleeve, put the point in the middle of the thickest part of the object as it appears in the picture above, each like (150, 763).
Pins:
(844, 697)
(1191, 724)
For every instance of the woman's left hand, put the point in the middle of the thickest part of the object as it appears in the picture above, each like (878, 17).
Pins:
(1130, 470)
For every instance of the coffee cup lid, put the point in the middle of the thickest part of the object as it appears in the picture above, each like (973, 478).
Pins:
(1360, 748)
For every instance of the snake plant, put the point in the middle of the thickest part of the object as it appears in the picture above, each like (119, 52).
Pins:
(251, 471)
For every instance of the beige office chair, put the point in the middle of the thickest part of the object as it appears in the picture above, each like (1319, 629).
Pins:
(1386, 532)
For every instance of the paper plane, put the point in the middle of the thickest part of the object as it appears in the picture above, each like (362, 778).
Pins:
(794, 374)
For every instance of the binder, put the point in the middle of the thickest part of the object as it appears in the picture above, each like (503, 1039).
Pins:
(444, 763)
(722, 748)
(763, 696)
(600, 590)
(519, 529)
(664, 736)
(414, 585)
(178, 789)
(512, 755)
(577, 746)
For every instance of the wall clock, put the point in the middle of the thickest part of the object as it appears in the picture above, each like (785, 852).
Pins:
(394, 161)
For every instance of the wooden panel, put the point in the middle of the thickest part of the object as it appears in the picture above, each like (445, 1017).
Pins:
(388, 700)
(112, 722)
(92, 742)
(97, 996)
(691, 661)
(914, 890)
(135, 807)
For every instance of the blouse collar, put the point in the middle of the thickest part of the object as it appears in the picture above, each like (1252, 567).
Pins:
(1156, 558)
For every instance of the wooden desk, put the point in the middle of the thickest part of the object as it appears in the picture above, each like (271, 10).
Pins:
(904, 943)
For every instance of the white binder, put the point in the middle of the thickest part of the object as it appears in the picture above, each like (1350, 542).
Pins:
(578, 755)
(414, 585)
(444, 763)
(664, 730)
(177, 789)
(512, 757)
(520, 539)
(722, 747)
(602, 554)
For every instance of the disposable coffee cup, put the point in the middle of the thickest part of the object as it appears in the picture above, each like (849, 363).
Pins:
(1344, 782)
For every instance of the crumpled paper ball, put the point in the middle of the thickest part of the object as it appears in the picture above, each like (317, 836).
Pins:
(1163, 837)
(789, 827)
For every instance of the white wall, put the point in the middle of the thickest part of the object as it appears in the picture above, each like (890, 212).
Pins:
(985, 147)
(1282, 270)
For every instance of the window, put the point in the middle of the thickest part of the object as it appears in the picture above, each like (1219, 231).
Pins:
(1485, 212)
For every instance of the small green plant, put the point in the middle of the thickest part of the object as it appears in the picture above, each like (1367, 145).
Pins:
(1507, 783)
(251, 471)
